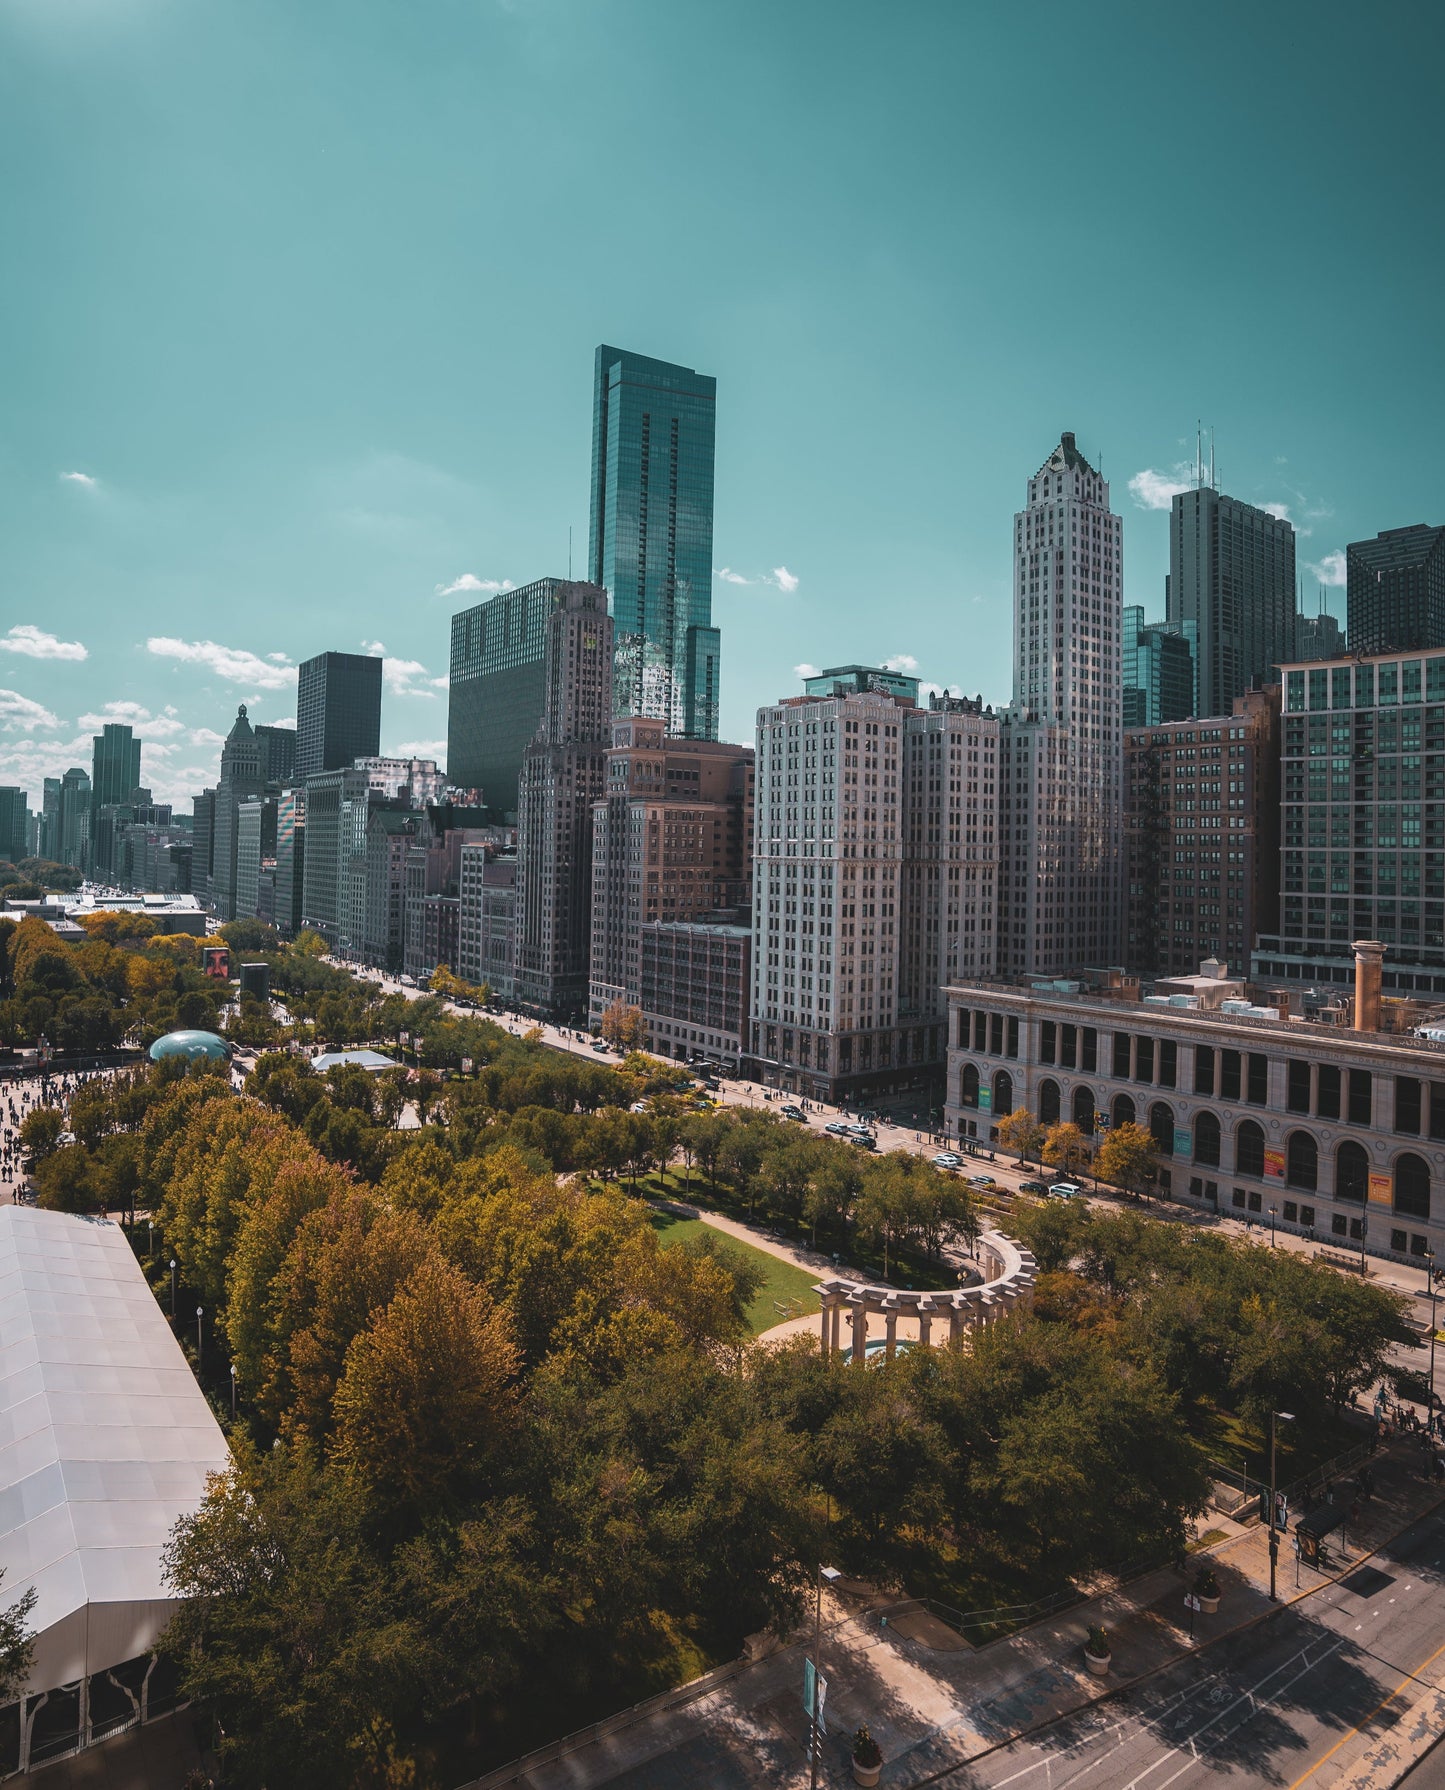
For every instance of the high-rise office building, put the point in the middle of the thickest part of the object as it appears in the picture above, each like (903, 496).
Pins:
(278, 752)
(241, 776)
(873, 884)
(671, 839)
(1061, 813)
(1231, 573)
(14, 825)
(494, 704)
(290, 859)
(1201, 813)
(1318, 637)
(338, 711)
(48, 843)
(255, 853)
(1395, 590)
(203, 842)
(1362, 849)
(563, 774)
(1158, 671)
(651, 535)
(115, 765)
(73, 819)
(487, 918)
(336, 807)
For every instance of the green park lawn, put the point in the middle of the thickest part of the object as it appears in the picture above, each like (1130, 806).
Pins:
(786, 1292)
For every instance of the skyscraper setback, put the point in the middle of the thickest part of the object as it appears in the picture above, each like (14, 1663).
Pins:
(1395, 590)
(1061, 816)
(1232, 574)
(115, 765)
(338, 711)
(651, 536)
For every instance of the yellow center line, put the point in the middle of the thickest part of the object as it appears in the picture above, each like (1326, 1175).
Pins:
(1409, 1678)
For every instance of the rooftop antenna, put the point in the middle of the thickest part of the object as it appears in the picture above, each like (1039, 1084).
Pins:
(1213, 482)
(569, 552)
(1198, 454)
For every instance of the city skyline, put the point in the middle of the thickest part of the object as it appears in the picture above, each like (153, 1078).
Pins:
(160, 566)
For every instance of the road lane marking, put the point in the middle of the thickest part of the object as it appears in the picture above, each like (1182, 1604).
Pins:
(1409, 1678)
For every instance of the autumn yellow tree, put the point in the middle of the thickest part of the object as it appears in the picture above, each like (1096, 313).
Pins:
(623, 1027)
(1128, 1157)
(1066, 1148)
(427, 1401)
(1021, 1132)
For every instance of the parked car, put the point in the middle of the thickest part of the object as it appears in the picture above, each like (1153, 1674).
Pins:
(795, 1112)
(1032, 1187)
(602, 1049)
(984, 1183)
(861, 1131)
(947, 1159)
(838, 1129)
(1066, 1190)
(638, 1106)
(865, 1140)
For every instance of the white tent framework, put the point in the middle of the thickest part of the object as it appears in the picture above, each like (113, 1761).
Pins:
(106, 1440)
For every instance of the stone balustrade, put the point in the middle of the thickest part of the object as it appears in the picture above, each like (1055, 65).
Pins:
(1009, 1273)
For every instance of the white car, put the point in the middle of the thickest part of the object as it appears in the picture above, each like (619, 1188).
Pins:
(1065, 1190)
(947, 1159)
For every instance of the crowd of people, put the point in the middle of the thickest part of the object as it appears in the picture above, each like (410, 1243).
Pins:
(21, 1095)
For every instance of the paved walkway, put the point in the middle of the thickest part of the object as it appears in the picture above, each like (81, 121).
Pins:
(931, 1702)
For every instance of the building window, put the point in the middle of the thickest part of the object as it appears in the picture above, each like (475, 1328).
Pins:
(1013, 1035)
(1412, 1186)
(1407, 1105)
(1089, 1056)
(1327, 1097)
(1361, 1097)
(1352, 1173)
(1003, 1093)
(1144, 1059)
(1258, 1089)
(1168, 1063)
(1249, 1149)
(1121, 1056)
(1206, 1140)
(1068, 1047)
(1048, 1101)
(968, 1086)
(1084, 1109)
(1231, 1065)
(1297, 1086)
(1048, 1042)
(1161, 1127)
(1302, 1161)
(1124, 1113)
(1204, 1069)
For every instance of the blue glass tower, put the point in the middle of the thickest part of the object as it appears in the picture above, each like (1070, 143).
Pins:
(651, 536)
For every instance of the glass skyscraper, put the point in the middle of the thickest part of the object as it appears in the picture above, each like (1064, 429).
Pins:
(338, 711)
(651, 536)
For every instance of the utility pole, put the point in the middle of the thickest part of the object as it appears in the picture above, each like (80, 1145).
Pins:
(1285, 1417)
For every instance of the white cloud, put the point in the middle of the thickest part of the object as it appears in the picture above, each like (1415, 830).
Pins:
(1279, 510)
(925, 690)
(407, 677)
(436, 749)
(806, 671)
(278, 658)
(469, 581)
(729, 576)
(151, 727)
(290, 721)
(206, 736)
(784, 580)
(18, 714)
(1330, 570)
(374, 647)
(232, 663)
(1153, 490)
(901, 662)
(35, 643)
(83, 479)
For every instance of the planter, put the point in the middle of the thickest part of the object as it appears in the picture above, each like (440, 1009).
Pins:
(1208, 1604)
(1098, 1663)
(866, 1774)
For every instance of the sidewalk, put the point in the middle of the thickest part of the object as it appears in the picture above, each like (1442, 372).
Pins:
(931, 1700)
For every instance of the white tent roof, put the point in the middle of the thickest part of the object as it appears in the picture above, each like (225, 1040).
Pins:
(105, 1440)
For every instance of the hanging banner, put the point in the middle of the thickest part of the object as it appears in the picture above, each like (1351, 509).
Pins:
(1381, 1190)
(1183, 1142)
(1274, 1165)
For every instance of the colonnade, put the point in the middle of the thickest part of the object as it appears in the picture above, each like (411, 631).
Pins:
(1009, 1269)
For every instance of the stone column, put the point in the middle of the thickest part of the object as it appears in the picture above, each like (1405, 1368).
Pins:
(925, 1322)
(890, 1329)
(835, 1324)
(955, 1323)
(860, 1333)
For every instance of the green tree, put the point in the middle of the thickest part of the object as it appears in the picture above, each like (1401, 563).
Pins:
(1066, 1149)
(1021, 1132)
(1128, 1157)
(40, 1131)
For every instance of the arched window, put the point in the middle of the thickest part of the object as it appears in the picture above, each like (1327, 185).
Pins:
(1084, 1110)
(1003, 1093)
(968, 1086)
(1123, 1110)
(1048, 1102)
(1412, 1186)
(1352, 1173)
(1249, 1149)
(1161, 1127)
(1206, 1140)
(1302, 1161)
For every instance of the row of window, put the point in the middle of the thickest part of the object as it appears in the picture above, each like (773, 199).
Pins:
(1406, 1184)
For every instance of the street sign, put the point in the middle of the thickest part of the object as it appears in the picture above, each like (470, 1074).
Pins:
(466, 1065)
(1191, 1602)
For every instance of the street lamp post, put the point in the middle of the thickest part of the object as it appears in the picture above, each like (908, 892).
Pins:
(199, 1311)
(233, 1392)
(1364, 1232)
(830, 1573)
(173, 1287)
(151, 1228)
(1272, 1211)
(1430, 1288)
(1284, 1417)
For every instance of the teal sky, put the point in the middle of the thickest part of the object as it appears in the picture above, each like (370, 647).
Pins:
(300, 303)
